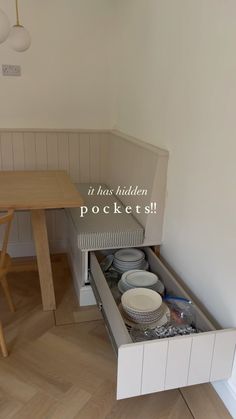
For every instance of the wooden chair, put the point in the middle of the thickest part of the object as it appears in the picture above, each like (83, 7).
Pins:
(5, 262)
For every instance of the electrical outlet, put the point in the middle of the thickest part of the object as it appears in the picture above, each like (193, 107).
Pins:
(11, 70)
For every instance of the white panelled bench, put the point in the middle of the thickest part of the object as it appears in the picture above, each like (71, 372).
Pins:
(90, 231)
(105, 229)
(149, 366)
(128, 162)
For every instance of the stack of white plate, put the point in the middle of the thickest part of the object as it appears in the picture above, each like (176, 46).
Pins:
(127, 259)
(137, 278)
(144, 306)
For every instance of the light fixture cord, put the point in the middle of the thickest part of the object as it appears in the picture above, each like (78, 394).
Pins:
(17, 14)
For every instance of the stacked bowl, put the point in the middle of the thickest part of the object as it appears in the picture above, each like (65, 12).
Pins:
(144, 307)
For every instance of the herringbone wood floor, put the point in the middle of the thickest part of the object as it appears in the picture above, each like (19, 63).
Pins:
(61, 365)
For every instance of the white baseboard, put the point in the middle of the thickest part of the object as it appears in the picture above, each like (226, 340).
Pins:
(87, 296)
(84, 293)
(227, 392)
(75, 276)
(23, 249)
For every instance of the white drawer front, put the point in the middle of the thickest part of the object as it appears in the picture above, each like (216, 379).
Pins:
(129, 372)
(154, 366)
(178, 362)
(223, 355)
(175, 362)
(201, 358)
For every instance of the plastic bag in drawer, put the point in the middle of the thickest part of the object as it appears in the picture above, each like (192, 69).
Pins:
(182, 310)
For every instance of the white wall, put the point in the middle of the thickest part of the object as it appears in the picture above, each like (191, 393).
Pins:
(177, 89)
(66, 73)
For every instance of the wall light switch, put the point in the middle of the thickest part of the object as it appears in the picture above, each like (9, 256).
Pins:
(11, 70)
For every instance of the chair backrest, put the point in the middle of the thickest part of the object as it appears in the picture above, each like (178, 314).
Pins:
(5, 219)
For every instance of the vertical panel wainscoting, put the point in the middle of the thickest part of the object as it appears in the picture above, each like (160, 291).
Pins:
(148, 367)
(81, 153)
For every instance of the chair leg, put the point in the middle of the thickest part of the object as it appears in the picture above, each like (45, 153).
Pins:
(3, 342)
(6, 289)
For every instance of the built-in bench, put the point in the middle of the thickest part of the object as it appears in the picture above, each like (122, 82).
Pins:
(131, 216)
(98, 227)
(101, 157)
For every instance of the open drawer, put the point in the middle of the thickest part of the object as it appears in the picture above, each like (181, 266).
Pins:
(157, 365)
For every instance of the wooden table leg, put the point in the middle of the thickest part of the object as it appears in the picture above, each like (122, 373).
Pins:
(43, 258)
(3, 342)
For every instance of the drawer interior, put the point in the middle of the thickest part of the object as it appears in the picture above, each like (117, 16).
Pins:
(109, 297)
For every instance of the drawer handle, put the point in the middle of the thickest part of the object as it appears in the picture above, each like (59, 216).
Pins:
(100, 306)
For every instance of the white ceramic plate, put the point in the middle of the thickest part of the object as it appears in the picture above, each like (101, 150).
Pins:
(123, 278)
(141, 300)
(139, 318)
(143, 313)
(121, 287)
(161, 322)
(124, 286)
(129, 272)
(159, 287)
(129, 255)
(141, 279)
(144, 267)
(132, 265)
(129, 267)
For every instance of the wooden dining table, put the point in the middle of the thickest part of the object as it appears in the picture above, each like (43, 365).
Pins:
(38, 191)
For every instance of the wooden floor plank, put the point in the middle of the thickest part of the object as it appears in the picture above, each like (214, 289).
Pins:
(168, 404)
(30, 373)
(204, 403)
(71, 404)
(8, 406)
(38, 407)
(15, 388)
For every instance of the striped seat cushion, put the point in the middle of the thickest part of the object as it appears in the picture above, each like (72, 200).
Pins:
(103, 231)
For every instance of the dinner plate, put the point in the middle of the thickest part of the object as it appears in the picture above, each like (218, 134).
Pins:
(129, 255)
(127, 264)
(141, 299)
(123, 285)
(159, 287)
(144, 266)
(129, 272)
(131, 268)
(122, 288)
(141, 279)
